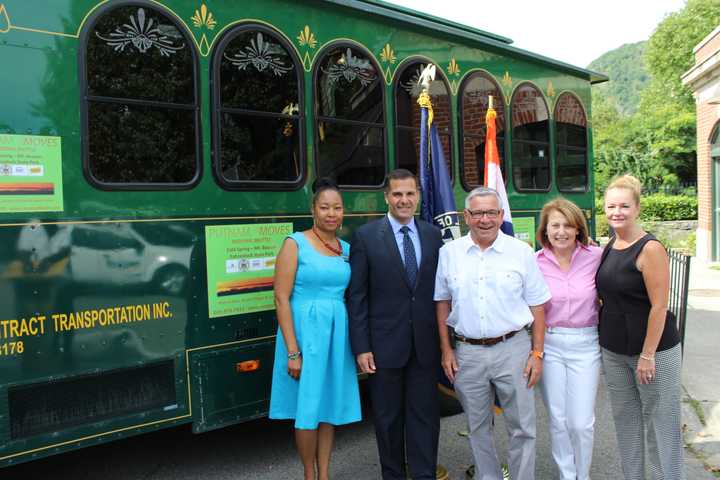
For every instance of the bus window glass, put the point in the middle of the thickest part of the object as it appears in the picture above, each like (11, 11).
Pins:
(571, 141)
(475, 93)
(141, 104)
(530, 139)
(139, 53)
(350, 118)
(407, 117)
(141, 144)
(258, 110)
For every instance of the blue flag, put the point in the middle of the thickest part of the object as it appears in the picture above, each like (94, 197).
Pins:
(438, 201)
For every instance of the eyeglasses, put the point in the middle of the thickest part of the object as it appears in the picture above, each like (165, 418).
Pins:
(478, 214)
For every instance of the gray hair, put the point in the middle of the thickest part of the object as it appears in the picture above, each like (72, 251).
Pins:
(483, 192)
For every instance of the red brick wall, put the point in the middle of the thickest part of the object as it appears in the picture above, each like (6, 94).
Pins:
(474, 111)
(707, 118)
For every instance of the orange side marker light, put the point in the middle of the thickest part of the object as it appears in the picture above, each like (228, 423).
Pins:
(247, 366)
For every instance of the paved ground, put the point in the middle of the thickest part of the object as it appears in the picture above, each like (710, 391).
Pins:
(701, 380)
(263, 450)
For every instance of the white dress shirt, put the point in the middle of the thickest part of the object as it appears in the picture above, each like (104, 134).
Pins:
(491, 291)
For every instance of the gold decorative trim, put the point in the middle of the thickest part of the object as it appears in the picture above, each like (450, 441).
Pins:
(550, 89)
(4, 19)
(387, 56)
(507, 81)
(307, 38)
(203, 18)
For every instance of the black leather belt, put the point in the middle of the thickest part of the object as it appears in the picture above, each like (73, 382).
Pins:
(485, 341)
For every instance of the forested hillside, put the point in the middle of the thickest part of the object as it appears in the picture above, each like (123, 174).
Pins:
(648, 129)
(626, 68)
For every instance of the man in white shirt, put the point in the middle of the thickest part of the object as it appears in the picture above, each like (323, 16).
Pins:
(488, 288)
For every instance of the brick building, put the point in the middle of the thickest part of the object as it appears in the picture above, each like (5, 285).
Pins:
(704, 80)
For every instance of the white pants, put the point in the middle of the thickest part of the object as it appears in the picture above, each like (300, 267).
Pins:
(569, 386)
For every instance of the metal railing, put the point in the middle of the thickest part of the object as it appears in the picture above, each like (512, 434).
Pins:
(679, 283)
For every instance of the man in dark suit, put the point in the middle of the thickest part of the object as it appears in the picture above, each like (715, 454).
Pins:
(393, 329)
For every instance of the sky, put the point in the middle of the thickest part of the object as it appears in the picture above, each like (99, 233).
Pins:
(572, 31)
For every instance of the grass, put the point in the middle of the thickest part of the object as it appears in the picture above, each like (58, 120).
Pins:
(695, 405)
(714, 267)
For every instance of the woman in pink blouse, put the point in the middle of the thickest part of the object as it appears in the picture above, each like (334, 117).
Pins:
(572, 353)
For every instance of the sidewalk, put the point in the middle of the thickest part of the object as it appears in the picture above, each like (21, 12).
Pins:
(701, 380)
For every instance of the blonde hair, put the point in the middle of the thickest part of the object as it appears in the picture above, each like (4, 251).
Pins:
(628, 182)
(571, 212)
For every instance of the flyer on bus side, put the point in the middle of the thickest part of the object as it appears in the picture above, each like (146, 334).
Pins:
(241, 266)
(524, 228)
(30, 173)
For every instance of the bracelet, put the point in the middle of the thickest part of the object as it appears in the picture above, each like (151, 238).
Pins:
(537, 354)
(294, 355)
(649, 358)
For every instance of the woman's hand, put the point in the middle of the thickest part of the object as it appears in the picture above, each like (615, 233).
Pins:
(294, 367)
(645, 371)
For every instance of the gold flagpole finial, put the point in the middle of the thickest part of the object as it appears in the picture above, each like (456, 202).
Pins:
(490, 102)
(427, 76)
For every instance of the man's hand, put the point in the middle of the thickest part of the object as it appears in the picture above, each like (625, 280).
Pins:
(449, 364)
(366, 362)
(533, 370)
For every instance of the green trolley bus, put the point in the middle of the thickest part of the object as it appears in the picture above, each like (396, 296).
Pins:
(154, 154)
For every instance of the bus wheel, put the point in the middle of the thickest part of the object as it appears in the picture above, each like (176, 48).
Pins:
(171, 280)
(448, 401)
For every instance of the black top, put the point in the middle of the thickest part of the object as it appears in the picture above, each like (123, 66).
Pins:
(626, 305)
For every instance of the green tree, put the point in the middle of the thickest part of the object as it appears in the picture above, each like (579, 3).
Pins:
(669, 50)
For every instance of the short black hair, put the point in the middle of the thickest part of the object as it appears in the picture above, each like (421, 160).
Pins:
(400, 174)
(322, 184)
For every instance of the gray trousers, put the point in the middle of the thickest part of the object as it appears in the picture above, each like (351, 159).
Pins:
(482, 372)
(647, 415)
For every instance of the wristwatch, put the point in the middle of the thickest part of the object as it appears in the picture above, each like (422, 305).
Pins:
(294, 355)
(537, 354)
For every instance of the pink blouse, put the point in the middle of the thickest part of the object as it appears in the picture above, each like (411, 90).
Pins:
(574, 297)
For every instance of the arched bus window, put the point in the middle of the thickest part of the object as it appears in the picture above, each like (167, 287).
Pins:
(475, 91)
(571, 141)
(140, 100)
(407, 116)
(530, 139)
(349, 105)
(258, 110)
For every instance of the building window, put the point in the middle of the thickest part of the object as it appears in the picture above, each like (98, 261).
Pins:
(258, 111)
(350, 117)
(407, 116)
(475, 92)
(530, 139)
(571, 141)
(140, 100)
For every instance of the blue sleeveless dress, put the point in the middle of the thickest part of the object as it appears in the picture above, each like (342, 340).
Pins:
(327, 390)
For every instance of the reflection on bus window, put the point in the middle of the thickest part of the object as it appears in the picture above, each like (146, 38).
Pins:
(571, 141)
(350, 118)
(258, 109)
(407, 117)
(473, 110)
(141, 102)
(530, 139)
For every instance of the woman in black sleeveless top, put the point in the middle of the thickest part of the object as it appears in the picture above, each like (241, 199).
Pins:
(640, 343)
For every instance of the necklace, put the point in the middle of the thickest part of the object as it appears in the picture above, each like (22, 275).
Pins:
(337, 251)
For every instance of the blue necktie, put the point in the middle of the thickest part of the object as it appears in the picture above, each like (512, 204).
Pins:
(411, 267)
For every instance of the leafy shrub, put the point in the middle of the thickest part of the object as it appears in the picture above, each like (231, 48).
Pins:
(661, 207)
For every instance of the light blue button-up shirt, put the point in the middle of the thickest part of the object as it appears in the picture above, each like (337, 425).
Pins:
(414, 236)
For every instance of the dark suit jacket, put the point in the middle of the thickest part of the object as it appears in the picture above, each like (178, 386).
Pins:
(387, 315)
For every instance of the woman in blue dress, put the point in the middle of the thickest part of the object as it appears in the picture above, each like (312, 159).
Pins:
(314, 377)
